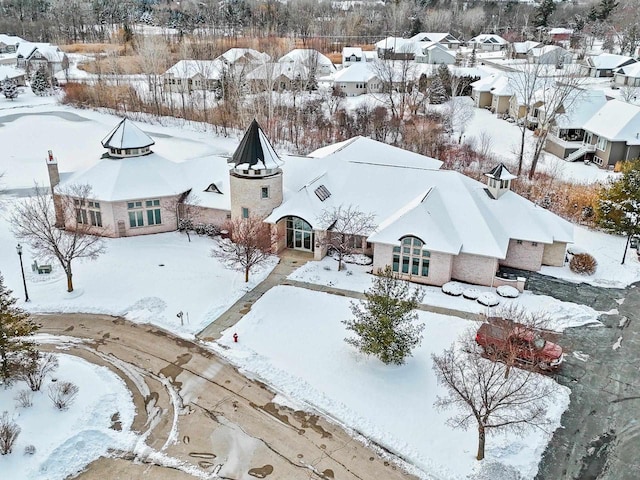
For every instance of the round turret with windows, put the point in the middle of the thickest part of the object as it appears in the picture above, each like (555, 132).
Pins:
(127, 140)
(256, 176)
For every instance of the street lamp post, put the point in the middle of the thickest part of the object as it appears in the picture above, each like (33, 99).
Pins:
(24, 280)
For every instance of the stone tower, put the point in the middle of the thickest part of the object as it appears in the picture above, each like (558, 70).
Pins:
(499, 180)
(256, 178)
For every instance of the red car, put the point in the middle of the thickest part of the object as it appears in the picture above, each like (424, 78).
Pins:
(521, 344)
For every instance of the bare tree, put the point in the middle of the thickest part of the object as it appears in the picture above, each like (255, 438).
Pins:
(398, 80)
(249, 244)
(629, 93)
(9, 431)
(479, 390)
(37, 367)
(36, 220)
(458, 113)
(347, 228)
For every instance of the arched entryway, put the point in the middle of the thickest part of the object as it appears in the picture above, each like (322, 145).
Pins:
(300, 235)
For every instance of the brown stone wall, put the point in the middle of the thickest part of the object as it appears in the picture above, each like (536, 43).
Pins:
(526, 255)
(474, 269)
(439, 265)
(554, 254)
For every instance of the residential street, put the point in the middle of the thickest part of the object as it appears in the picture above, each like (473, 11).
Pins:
(204, 416)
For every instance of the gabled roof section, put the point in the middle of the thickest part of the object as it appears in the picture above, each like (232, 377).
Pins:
(609, 61)
(500, 172)
(632, 70)
(616, 121)
(359, 72)
(255, 150)
(488, 38)
(209, 69)
(127, 135)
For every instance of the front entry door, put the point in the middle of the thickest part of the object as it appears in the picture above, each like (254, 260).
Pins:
(299, 234)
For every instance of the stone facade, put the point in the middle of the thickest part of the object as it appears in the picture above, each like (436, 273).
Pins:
(247, 192)
(440, 265)
(523, 254)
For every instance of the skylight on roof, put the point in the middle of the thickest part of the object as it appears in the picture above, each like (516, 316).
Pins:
(322, 193)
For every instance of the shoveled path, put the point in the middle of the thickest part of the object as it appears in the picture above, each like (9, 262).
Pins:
(290, 260)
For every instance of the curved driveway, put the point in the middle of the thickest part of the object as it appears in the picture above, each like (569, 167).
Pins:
(203, 418)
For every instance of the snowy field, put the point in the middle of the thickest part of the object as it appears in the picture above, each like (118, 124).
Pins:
(67, 441)
(303, 356)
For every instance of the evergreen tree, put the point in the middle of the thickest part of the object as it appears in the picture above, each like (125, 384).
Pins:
(384, 323)
(458, 61)
(472, 58)
(618, 206)
(605, 8)
(9, 88)
(437, 92)
(15, 324)
(40, 83)
(445, 78)
(543, 12)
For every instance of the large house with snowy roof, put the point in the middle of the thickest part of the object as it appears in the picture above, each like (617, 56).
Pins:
(358, 79)
(604, 65)
(189, 75)
(443, 38)
(628, 75)
(488, 42)
(432, 225)
(312, 60)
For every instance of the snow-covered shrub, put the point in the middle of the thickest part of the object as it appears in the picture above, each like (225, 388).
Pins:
(355, 258)
(9, 431)
(488, 299)
(583, 263)
(452, 288)
(24, 398)
(575, 250)
(29, 449)
(63, 394)
(471, 293)
(507, 291)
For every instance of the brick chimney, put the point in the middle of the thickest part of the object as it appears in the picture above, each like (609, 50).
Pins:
(54, 179)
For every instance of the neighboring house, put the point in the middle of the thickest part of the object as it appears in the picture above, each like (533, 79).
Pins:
(189, 75)
(9, 43)
(351, 55)
(434, 53)
(613, 134)
(493, 92)
(358, 79)
(549, 55)
(243, 56)
(628, 75)
(32, 56)
(433, 225)
(312, 59)
(279, 76)
(520, 50)
(445, 39)
(604, 65)
(488, 42)
(566, 134)
(16, 74)
(396, 48)
(559, 34)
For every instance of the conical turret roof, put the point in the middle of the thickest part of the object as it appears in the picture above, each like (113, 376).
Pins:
(500, 172)
(255, 150)
(126, 135)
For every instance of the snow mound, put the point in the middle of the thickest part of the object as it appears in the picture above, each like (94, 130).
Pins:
(452, 288)
(507, 291)
(471, 293)
(575, 250)
(355, 258)
(488, 299)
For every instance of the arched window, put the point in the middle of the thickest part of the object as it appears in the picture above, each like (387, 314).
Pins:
(411, 258)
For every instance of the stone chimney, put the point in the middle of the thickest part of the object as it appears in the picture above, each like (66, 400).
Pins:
(54, 180)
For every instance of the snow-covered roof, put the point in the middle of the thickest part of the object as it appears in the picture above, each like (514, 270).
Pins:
(358, 72)
(524, 47)
(146, 177)
(209, 69)
(450, 212)
(434, 37)
(10, 39)
(234, 54)
(560, 31)
(496, 83)
(632, 70)
(10, 72)
(582, 108)
(51, 52)
(348, 51)
(539, 51)
(616, 121)
(26, 48)
(126, 135)
(271, 71)
(306, 56)
(489, 38)
(397, 44)
(609, 61)
(255, 151)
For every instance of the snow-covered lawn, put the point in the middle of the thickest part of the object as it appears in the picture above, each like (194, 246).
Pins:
(66, 441)
(146, 279)
(300, 351)
(561, 314)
